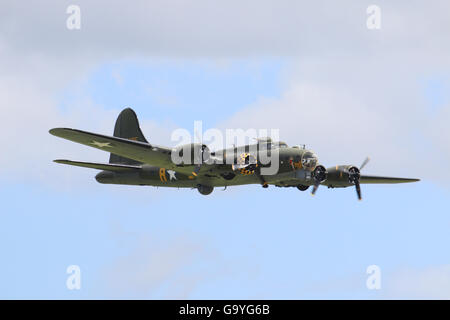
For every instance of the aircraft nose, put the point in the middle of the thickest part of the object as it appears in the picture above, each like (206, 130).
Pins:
(309, 160)
(104, 176)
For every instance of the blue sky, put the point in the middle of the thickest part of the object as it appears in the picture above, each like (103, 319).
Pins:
(364, 94)
(203, 90)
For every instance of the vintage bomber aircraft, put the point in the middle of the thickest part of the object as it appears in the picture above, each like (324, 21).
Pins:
(134, 161)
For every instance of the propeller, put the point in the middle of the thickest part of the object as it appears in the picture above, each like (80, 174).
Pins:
(364, 163)
(319, 174)
(202, 160)
(354, 174)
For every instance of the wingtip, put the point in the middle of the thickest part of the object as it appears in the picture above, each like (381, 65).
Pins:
(56, 131)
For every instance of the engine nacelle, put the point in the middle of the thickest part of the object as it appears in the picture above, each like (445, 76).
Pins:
(190, 154)
(342, 176)
(320, 173)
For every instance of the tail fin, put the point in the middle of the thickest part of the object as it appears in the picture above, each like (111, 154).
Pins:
(127, 126)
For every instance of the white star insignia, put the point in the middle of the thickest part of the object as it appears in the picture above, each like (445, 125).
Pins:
(101, 144)
(171, 175)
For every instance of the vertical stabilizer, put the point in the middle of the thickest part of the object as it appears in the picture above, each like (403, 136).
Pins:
(127, 127)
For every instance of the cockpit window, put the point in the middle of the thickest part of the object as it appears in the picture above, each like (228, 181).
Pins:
(309, 160)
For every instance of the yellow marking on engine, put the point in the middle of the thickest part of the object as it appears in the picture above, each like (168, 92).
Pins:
(194, 174)
(191, 177)
(133, 138)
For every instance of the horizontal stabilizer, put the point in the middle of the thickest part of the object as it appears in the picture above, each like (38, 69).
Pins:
(136, 150)
(100, 166)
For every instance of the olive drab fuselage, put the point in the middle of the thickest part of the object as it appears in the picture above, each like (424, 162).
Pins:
(291, 171)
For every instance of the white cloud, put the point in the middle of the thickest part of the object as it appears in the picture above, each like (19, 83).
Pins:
(150, 266)
(431, 282)
(349, 108)
(227, 29)
(161, 267)
(425, 283)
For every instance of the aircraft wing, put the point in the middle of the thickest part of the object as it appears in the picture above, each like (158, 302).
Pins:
(136, 150)
(100, 166)
(375, 179)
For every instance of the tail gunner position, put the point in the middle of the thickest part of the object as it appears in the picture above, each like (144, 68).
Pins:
(135, 161)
